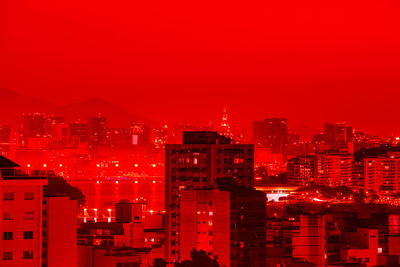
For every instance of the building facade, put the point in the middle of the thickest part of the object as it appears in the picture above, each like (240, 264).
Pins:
(203, 159)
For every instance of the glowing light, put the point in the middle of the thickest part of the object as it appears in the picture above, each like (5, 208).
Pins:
(84, 220)
(154, 165)
(29, 165)
(379, 250)
(98, 165)
(165, 126)
(152, 239)
(136, 182)
(198, 212)
(98, 182)
(44, 165)
(60, 165)
(154, 182)
(109, 210)
(397, 138)
(210, 213)
(109, 219)
(116, 165)
(116, 182)
(136, 165)
(151, 212)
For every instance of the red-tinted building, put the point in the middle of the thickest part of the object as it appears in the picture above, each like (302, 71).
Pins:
(203, 159)
(382, 174)
(21, 208)
(228, 223)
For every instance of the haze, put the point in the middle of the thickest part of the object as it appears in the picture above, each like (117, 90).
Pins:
(310, 61)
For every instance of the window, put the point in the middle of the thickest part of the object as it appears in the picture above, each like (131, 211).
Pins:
(28, 235)
(29, 196)
(28, 215)
(8, 215)
(8, 196)
(7, 256)
(27, 255)
(7, 235)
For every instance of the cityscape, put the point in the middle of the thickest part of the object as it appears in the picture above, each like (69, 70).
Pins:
(199, 134)
(84, 194)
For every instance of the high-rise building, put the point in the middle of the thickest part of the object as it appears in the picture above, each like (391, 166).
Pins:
(5, 139)
(301, 170)
(271, 133)
(229, 223)
(334, 169)
(203, 160)
(59, 244)
(339, 136)
(310, 242)
(97, 131)
(382, 174)
(225, 127)
(33, 127)
(21, 208)
(329, 168)
(78, 132)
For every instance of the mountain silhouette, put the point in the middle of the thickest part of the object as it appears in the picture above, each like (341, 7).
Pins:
(13, 105)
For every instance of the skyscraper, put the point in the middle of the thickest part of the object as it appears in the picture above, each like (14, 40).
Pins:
(202, 161)
(271, 133)
(338, 136)
(97, 130)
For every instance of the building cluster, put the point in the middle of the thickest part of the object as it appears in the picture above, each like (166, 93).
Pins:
(215, 200)
(79, 149)
(299, 235)
(42, 229)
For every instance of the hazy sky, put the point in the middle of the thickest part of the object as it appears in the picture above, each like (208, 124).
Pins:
(311, 61)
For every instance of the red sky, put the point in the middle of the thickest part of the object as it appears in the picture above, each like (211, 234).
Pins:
(311, 61)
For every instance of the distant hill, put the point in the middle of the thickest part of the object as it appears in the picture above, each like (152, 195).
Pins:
(13, 105)
(116, 115)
